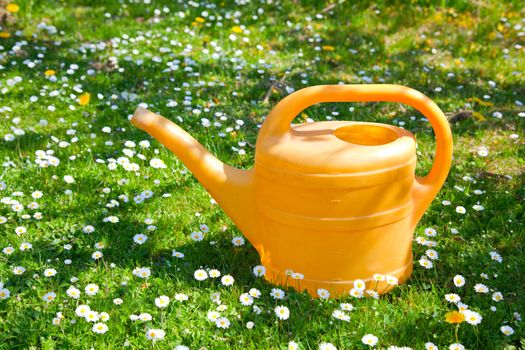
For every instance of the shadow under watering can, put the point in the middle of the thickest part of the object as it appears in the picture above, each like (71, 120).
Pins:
(334, 201)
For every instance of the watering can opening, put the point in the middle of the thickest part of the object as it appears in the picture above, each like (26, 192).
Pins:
(366, 134)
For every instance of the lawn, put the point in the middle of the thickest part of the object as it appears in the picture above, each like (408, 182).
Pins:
(104, 232)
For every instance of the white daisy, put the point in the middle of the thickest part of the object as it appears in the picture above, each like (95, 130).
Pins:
(100, 328)
(222, 322)
(162, 301)
(200, 275)
(91, 289)
(323, 293)
(227, 280)
(369, 339)
(282, 312)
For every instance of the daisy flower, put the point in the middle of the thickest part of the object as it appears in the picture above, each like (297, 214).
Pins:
(427, 264)
(145, 317)
(340, 315)
(392, 280)
(18, 270)
(323, 293)
(200, 275)
(459, 281)
(142, 272)
(430, 232)
(497, 296)
(73, 292)
(356, 293)
(91, 289)
(277, 293)
(181, 297)
(507, 330)
(460, 210)
(140, 238)
(254, 292)
(8, 250)
(282, 312)
(481, 288)
(177, 254)
(496, 257)
(430, 346)
(472, 317)
(162, 301)
(238, 241)
(246, 299)
(297, 276)
(197, 236)
(369, 339)
(222, 322)
(259, 271)
(346, 307)
(97, 255)
(92, 316)
(227, 280)
(452, 298)
(214, 273)
(379, 277)
(461, 307)
(25, 246)
(99, 328)
(157, 163)
(456, 346)
(292, 345)
(327, 346)
(82, 310)
(432, 254)
(88, 229)
(4, 293)
(49, 297)
(213, 316)
(155, 334)
(359, 284)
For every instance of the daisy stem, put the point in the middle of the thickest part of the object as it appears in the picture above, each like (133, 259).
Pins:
(456, 333)
(339, 334)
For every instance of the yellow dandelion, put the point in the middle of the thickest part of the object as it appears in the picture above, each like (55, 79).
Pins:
(454, 317)
(199, 19)
(12, 8)
(5, 35)
(49, 72)
(84, 99)
(237, 29)
(328, 48)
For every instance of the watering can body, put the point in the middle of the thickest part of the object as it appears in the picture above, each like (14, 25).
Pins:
(331, 202)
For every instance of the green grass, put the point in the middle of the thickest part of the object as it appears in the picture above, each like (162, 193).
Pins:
(449, 52)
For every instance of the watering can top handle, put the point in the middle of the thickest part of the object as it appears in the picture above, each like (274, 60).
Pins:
(279, 119)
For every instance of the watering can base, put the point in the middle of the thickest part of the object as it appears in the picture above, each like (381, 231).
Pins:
(337, 289)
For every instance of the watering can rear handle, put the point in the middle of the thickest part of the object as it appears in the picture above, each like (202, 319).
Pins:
(279, 119)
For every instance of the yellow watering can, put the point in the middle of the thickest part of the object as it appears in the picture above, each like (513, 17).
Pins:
(333, 201)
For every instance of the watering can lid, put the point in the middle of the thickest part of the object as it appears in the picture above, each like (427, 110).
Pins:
(337, 148)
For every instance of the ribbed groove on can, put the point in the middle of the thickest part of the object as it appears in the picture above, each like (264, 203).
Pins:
(356, 223)
(338, 180)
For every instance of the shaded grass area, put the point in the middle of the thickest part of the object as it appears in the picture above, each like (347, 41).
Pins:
(448, 51)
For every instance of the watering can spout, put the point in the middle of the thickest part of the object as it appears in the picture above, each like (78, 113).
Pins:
(232, 188)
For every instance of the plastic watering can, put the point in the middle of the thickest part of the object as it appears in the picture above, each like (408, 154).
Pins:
(334, 201)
